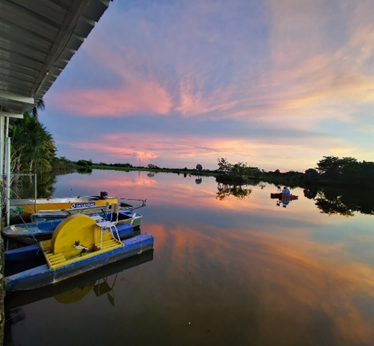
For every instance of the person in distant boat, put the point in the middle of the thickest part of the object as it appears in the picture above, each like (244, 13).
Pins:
(285, 203)
(285, 191)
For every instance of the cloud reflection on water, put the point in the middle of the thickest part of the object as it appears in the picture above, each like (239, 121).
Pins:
(303, 282)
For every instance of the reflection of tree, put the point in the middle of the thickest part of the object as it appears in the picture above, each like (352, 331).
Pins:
(238, 191)
(310, 193)
(23, 186)
(198, 180)
(333, 207)
(84, 170)
(345, 202)
(45, 185)
(150, 174)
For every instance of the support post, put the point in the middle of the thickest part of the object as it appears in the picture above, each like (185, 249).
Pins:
(35, 191)
(2, 136)
(7, 197)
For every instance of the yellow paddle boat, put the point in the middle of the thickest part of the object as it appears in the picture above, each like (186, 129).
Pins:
(78, 245)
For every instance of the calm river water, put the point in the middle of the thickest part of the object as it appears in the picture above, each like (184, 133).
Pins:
(229, 271)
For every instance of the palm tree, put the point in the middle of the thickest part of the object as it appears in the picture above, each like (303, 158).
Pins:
(33, 148)
(39, 106)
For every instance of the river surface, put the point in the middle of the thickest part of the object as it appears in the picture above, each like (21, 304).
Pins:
(225, 270)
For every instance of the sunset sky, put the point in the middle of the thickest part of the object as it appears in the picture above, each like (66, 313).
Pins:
(277, 84)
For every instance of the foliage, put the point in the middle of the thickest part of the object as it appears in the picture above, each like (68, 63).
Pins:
(39, 106)
(62, 164)
(199, 167)
(224, 166)
(84, 163)
(240, 169)
(33, 147)
(311, 174)
(334, 167)
(346, 170)
(256, 172)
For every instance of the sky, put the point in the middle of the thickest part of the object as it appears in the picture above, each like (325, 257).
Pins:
(276, 84)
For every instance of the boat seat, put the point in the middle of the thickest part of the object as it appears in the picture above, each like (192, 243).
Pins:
(97, 218)
(108, 226)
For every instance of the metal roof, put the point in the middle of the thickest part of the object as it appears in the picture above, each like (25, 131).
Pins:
(37, 40)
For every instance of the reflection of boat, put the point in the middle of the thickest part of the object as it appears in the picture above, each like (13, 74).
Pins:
(283, 197)
(29, 206)
(78, 245)
(29, 233)
(91, 278)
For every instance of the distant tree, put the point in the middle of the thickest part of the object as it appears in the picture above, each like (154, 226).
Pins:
(256, 172)
(199, 167)
(224, 166)
(310, 174)
(345, 170)
(334, 166)
(238, 171)
(241, 169)
(84, 163)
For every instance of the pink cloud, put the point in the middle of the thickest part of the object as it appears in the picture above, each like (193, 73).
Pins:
(193, 100)
(146, 97)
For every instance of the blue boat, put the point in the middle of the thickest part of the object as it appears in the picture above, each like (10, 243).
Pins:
(30, 233)
(78, 245)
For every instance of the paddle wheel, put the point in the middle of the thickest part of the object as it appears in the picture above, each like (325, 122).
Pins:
(76, 236)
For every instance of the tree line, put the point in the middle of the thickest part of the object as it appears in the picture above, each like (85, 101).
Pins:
(330, 170)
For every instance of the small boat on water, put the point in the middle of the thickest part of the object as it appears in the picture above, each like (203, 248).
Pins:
(30, 233)
(78, 245)
(23, 208)
(283, 197)
(44, 215)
